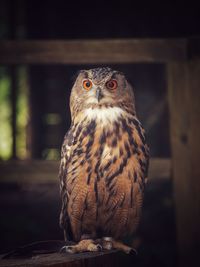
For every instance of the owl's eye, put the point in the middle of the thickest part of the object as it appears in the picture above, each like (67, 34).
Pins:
(111, 85)
(87, 85)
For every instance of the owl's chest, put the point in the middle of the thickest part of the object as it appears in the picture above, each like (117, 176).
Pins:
(103, 146)
(100, 129)
(102, 135)
(103, 142)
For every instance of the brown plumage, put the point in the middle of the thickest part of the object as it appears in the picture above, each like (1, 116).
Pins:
(104, 159)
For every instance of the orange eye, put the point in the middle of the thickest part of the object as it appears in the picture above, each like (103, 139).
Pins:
(112, 84)
(87, 85)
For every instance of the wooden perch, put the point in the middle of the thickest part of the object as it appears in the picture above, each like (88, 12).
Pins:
(97, 259)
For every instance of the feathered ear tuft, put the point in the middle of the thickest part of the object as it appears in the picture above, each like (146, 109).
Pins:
(75, 76)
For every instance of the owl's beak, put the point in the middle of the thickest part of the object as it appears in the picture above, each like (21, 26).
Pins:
(99, 94)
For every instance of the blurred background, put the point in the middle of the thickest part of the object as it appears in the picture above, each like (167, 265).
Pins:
(34, 115)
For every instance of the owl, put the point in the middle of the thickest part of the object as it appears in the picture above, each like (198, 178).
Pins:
(104, 163)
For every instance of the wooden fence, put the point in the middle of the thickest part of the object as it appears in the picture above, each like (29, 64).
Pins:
(182, 60)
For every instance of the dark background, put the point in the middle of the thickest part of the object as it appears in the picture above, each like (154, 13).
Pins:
(109, 19)
(99, 19)
(34, 216)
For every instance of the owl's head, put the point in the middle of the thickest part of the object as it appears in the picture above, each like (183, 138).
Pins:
(101, 88)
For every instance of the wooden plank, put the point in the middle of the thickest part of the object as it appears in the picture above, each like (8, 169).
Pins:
(98, 259)
(92, 51)
(39, 171)
(184, 96)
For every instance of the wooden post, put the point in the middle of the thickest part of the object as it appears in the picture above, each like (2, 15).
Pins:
(184, 105)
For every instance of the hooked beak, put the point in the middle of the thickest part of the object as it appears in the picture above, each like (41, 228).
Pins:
(99, 94)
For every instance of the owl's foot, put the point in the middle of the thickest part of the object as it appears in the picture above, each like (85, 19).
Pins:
(109, 243)
(82, 246)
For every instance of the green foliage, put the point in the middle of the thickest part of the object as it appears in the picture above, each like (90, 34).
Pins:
(51, 154)
(5, 116)
(22, 113)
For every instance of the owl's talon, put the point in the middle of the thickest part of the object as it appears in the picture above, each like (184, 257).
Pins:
(69, 249)
(133, 252)
(93, 247)
(63, 249)
(109, 243)
(100, 248)
(82, 246)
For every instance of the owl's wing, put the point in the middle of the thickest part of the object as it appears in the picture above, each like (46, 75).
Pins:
(66, 152)
(145, 149)
(137, 138)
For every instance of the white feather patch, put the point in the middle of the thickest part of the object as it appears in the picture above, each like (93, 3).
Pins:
(104, 115)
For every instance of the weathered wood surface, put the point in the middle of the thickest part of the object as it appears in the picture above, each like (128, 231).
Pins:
(179, 126)
(97, 259)
(184, 103)
(40, 171)
(92, 51)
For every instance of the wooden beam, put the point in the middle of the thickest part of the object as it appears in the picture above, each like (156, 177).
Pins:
(113, 51)
(40, 171)
(184, 96)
